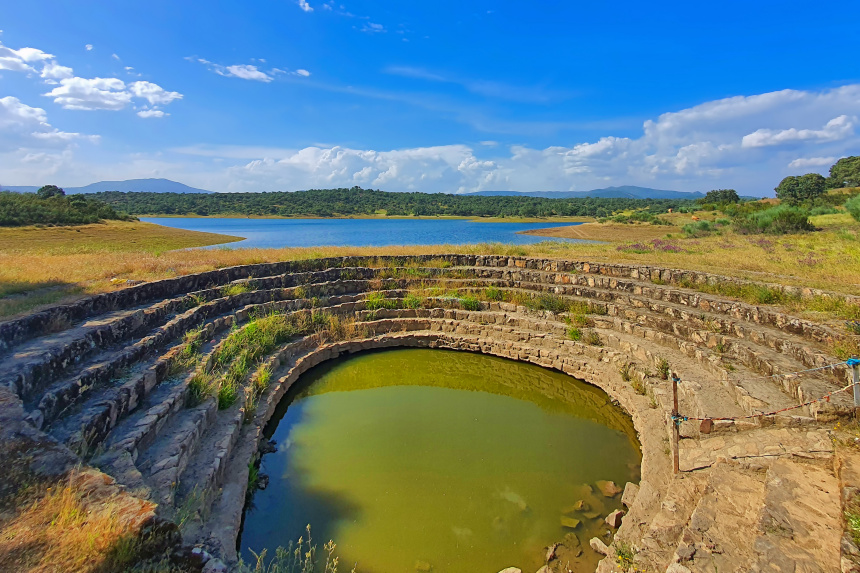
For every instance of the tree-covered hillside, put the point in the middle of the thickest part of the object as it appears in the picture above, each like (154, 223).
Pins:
(50, 206)
(358, 201)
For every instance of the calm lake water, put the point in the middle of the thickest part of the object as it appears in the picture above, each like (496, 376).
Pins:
(273, 233)
(463, 462)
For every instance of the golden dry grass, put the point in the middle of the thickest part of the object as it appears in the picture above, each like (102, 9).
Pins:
(828, 259)
(612, 232)
(66, 528)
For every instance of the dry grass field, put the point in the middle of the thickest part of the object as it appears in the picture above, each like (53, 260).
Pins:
(40, 266)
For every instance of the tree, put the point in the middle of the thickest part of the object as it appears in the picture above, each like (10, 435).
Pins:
(48, 191)
(803, 189)
(721, 196)
(845, 173)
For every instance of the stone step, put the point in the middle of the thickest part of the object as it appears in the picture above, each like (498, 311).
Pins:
(163, 461)
(756, 446)
(723, 528)
(782, 519)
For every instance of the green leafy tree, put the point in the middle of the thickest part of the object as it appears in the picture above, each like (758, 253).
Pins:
(48, 191)
(796, 190)
(721, 196)
(845, 173)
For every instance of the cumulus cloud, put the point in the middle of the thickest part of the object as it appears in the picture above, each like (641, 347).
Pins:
(89, 47)
(153, 93)
(303, 73)
(837, 128)
(55, 71)
(303, 4)
(803, 163)
(372, 28)
(20, 60)
(25, 127)
(89, 94)
(697, 148)
(107, 93)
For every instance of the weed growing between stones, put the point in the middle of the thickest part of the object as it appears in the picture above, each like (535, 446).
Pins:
(494, 294)
(663, 369)
(233, 289)
(574, 333)
(626, 371)
(592, 338)
(470, 303)
(624, 555)
(377, 300)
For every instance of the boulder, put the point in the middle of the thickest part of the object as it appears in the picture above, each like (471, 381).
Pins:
(677, 568)
(599, 546)
(631, 490)
(511, 570)
(580, 505)
(608, 488)
(215, 566)
(614, 518)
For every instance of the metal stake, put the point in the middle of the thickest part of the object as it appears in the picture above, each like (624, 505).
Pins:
(676, 430)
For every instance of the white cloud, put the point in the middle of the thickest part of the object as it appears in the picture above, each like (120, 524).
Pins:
(245, 72)
(153, 93)
(837, 128)
(803, 163)
(303, 4)
(54, 71)
(146, 113)
(371, 28)
(107, 93)
(20, 60)
(25, 128)
(89, 47)
(115, 57)
(88, 94)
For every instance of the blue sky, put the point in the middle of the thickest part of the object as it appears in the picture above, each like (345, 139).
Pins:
(428, 96)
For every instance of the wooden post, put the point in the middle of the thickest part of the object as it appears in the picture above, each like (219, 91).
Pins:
(856, 365)
(676, 431)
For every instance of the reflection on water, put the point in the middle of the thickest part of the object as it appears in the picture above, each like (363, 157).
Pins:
(461, 461)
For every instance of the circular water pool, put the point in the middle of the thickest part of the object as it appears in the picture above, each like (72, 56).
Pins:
(460, 462)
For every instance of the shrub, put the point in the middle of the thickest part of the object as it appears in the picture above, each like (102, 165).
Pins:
(663, 368)
(470, 303)
(412, 301)
(779, 220)
(574, 333)
(853, 207)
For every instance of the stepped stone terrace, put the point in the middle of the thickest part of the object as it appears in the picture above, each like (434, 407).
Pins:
(160, 393)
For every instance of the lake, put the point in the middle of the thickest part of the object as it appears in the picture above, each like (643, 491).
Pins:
(436, 460)
(275, 233)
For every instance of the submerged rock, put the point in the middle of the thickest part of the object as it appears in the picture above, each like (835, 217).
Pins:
(608, 488)
(570, 522)
(599, 546)
(423, 566)
(580, 505)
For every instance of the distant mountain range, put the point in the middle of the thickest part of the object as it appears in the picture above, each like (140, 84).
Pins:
(625, 191)
(129, 185)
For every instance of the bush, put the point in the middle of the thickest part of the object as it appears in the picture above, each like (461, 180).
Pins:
(853, 207)
(18, 209)
(779, 220)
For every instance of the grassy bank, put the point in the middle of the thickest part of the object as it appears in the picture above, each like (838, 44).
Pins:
(44, 266)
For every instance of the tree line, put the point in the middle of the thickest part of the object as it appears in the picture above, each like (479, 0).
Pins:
(50, 206)
(358, 201)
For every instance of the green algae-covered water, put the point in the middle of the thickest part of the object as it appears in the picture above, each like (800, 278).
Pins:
(460, 462)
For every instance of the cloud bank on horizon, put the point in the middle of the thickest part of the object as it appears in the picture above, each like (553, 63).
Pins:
(57, 125)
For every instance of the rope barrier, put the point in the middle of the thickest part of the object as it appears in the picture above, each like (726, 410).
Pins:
(853, 362)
